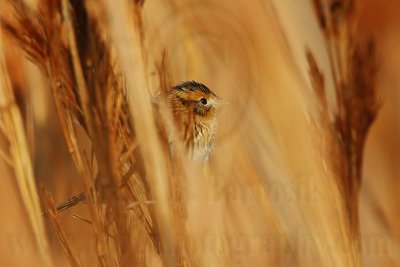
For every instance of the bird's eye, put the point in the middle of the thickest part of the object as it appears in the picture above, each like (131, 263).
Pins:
(203, 101)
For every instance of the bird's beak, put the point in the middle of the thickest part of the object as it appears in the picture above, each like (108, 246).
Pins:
(222, 102)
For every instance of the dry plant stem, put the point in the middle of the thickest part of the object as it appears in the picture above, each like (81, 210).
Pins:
(35, 39)
(318, 83)
(85, 174)
(353, 67)
(325, 25)
(179, 170)
(21, 161)
(128, 46)
(108, 178)
(69, 251)
(41, 36)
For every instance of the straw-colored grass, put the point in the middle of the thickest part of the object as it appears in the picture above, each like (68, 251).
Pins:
(285, 184)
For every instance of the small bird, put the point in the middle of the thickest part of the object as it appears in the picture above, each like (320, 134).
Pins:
(194, 109)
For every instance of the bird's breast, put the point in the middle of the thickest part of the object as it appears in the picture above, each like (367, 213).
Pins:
(203, 141)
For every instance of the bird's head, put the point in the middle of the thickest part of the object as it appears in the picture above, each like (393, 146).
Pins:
(194, 100)
(194, 109)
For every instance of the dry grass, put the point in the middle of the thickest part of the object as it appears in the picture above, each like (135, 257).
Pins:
(353, 68)
(18, 156)
(283, 187)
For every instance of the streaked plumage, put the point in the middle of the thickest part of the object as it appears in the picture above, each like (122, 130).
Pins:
(193, 107)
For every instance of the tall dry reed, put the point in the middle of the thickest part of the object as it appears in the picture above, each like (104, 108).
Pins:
(277, 191)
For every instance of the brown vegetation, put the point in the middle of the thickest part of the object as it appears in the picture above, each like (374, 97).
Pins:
(285, 183)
